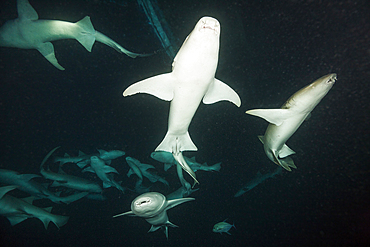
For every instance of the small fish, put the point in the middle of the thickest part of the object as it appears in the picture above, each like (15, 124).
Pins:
(223, 227)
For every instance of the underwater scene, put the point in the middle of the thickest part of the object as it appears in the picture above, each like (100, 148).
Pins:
(184, 123)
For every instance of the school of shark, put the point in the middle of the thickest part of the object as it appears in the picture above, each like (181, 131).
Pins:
(191, 82)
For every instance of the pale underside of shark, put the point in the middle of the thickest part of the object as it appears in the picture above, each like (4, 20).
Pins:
(286, 120)
(28, 32)
(191, 81)
(153, 206)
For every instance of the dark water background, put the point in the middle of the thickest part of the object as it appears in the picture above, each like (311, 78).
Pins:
(269, 50)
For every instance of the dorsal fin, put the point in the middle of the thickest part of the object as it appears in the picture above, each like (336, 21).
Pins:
(26, 11)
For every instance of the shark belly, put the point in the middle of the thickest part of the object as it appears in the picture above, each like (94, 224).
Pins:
(184, 105)
(285, 121)
(191, 81)
(276, 136)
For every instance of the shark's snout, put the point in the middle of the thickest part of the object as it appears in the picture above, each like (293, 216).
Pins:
(332, 79)
(209, 23)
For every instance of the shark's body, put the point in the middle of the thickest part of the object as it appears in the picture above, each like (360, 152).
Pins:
(192, 80)
(134, 169)
(140, 169)
(83, 159)
(70, 181)
(18, 210)
(257, 180)
(153, 206)
(25, 183)
(103, 172)
(286, 120)
(28, 32)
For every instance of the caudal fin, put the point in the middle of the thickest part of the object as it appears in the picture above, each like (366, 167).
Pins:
(175, 144)
(216, 167)
(109, 42)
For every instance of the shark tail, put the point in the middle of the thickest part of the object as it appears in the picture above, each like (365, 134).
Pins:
(216, 167)
(175, 144)
(109, 42)
(86, 36)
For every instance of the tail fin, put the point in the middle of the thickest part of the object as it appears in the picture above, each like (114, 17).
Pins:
(87, 36)
(216, 167)
(109, 42)
(175, 144)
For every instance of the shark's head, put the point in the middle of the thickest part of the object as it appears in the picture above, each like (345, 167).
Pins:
(308, 97)
(148, 204)
(324, 84)
(208, 24)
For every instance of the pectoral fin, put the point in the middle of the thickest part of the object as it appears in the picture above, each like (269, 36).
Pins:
(16, 219)
(109, 169)
(218, 91)
(160, 86)
(274, 116)
(126, 213)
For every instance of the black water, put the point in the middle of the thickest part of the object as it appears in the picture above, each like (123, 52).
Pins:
(268, 51)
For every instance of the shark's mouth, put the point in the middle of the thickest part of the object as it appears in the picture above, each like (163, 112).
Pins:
(211, 25)
(332, 79)
(140, 203)
(205, 27)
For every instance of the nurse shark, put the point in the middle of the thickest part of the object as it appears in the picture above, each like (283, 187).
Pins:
(153, 206)
(18, 210)
(28, 32)
(286, 120)
(191, 81)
